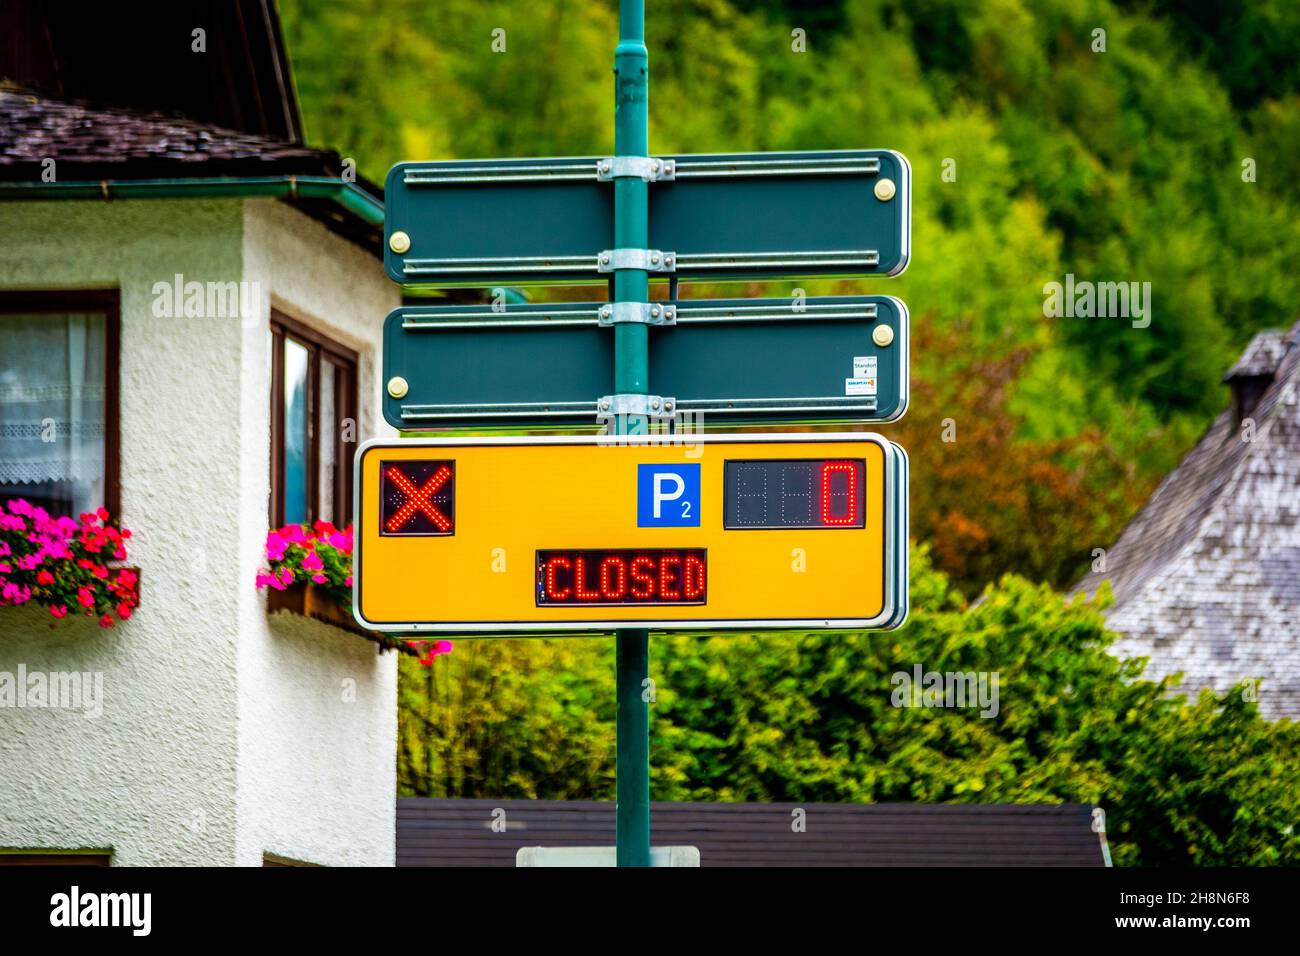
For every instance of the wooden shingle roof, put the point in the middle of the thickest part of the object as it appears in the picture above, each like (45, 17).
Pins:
(1206, 578)
(432, 832)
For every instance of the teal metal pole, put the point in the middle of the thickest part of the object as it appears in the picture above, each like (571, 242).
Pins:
(632, 376)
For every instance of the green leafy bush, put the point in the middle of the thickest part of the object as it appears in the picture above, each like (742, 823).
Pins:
(808, 717)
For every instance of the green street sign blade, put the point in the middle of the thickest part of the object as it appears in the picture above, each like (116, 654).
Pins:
(719, 216)
(823, 360)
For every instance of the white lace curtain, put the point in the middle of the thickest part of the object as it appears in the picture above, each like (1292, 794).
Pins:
(52, 406)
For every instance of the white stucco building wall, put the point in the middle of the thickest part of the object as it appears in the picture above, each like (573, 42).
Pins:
(225, 734)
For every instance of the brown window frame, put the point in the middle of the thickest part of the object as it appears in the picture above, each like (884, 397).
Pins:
(79, 302)
(345, 406)
(56, 857)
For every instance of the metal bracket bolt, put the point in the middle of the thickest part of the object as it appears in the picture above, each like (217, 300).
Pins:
(647, 260)
(651, 406)
(646, 168)
(644, 313)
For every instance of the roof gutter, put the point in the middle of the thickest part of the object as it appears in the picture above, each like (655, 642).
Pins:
(348, 195)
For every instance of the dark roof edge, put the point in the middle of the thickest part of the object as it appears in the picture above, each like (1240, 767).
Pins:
(283, 71)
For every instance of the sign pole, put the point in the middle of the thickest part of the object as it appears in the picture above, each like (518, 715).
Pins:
(631, 377)
(723, 216)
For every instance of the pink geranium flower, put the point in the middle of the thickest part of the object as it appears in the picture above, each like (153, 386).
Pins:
(319, 554)
(295, 535)
(275, 545)
(13, 593)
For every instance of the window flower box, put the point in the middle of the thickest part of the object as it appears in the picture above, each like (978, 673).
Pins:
(309, 572)
(308, 600)
(66, 565)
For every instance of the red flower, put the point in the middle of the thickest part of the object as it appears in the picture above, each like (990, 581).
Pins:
(46, 557)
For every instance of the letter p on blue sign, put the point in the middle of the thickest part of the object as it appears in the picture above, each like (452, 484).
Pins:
(668, 496)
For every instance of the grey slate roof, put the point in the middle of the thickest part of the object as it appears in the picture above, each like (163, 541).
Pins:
(1262, 356)
(1206, 578)
(433, 832)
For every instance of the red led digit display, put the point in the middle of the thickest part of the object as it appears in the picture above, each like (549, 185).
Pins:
(780, 493)
(417, 498)
(622, 576)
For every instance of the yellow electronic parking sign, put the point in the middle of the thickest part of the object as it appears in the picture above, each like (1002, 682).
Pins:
(591, 534)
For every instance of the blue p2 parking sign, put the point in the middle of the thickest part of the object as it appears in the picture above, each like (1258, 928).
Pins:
(668, 496)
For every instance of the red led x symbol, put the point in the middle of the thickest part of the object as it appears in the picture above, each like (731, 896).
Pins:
(418, 500)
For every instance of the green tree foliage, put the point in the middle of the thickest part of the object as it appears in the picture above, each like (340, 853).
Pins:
(1036, 153)
(981, 480)
(808, 717)
(507, 718)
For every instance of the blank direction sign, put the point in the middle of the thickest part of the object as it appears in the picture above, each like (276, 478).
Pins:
(830, 359)
(720, 216)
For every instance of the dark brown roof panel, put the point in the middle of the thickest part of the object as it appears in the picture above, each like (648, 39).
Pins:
(434, 832)
(88, 143)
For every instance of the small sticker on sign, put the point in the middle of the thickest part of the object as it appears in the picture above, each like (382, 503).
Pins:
(860, 386)
(864, 366)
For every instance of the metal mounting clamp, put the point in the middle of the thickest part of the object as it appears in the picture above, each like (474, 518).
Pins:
(646, 168)
(644, 313)
(651, 406)
(647, 260)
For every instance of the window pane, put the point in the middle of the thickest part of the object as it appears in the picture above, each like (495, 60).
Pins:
(329, 434)
(52, 406)
(295, 432)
